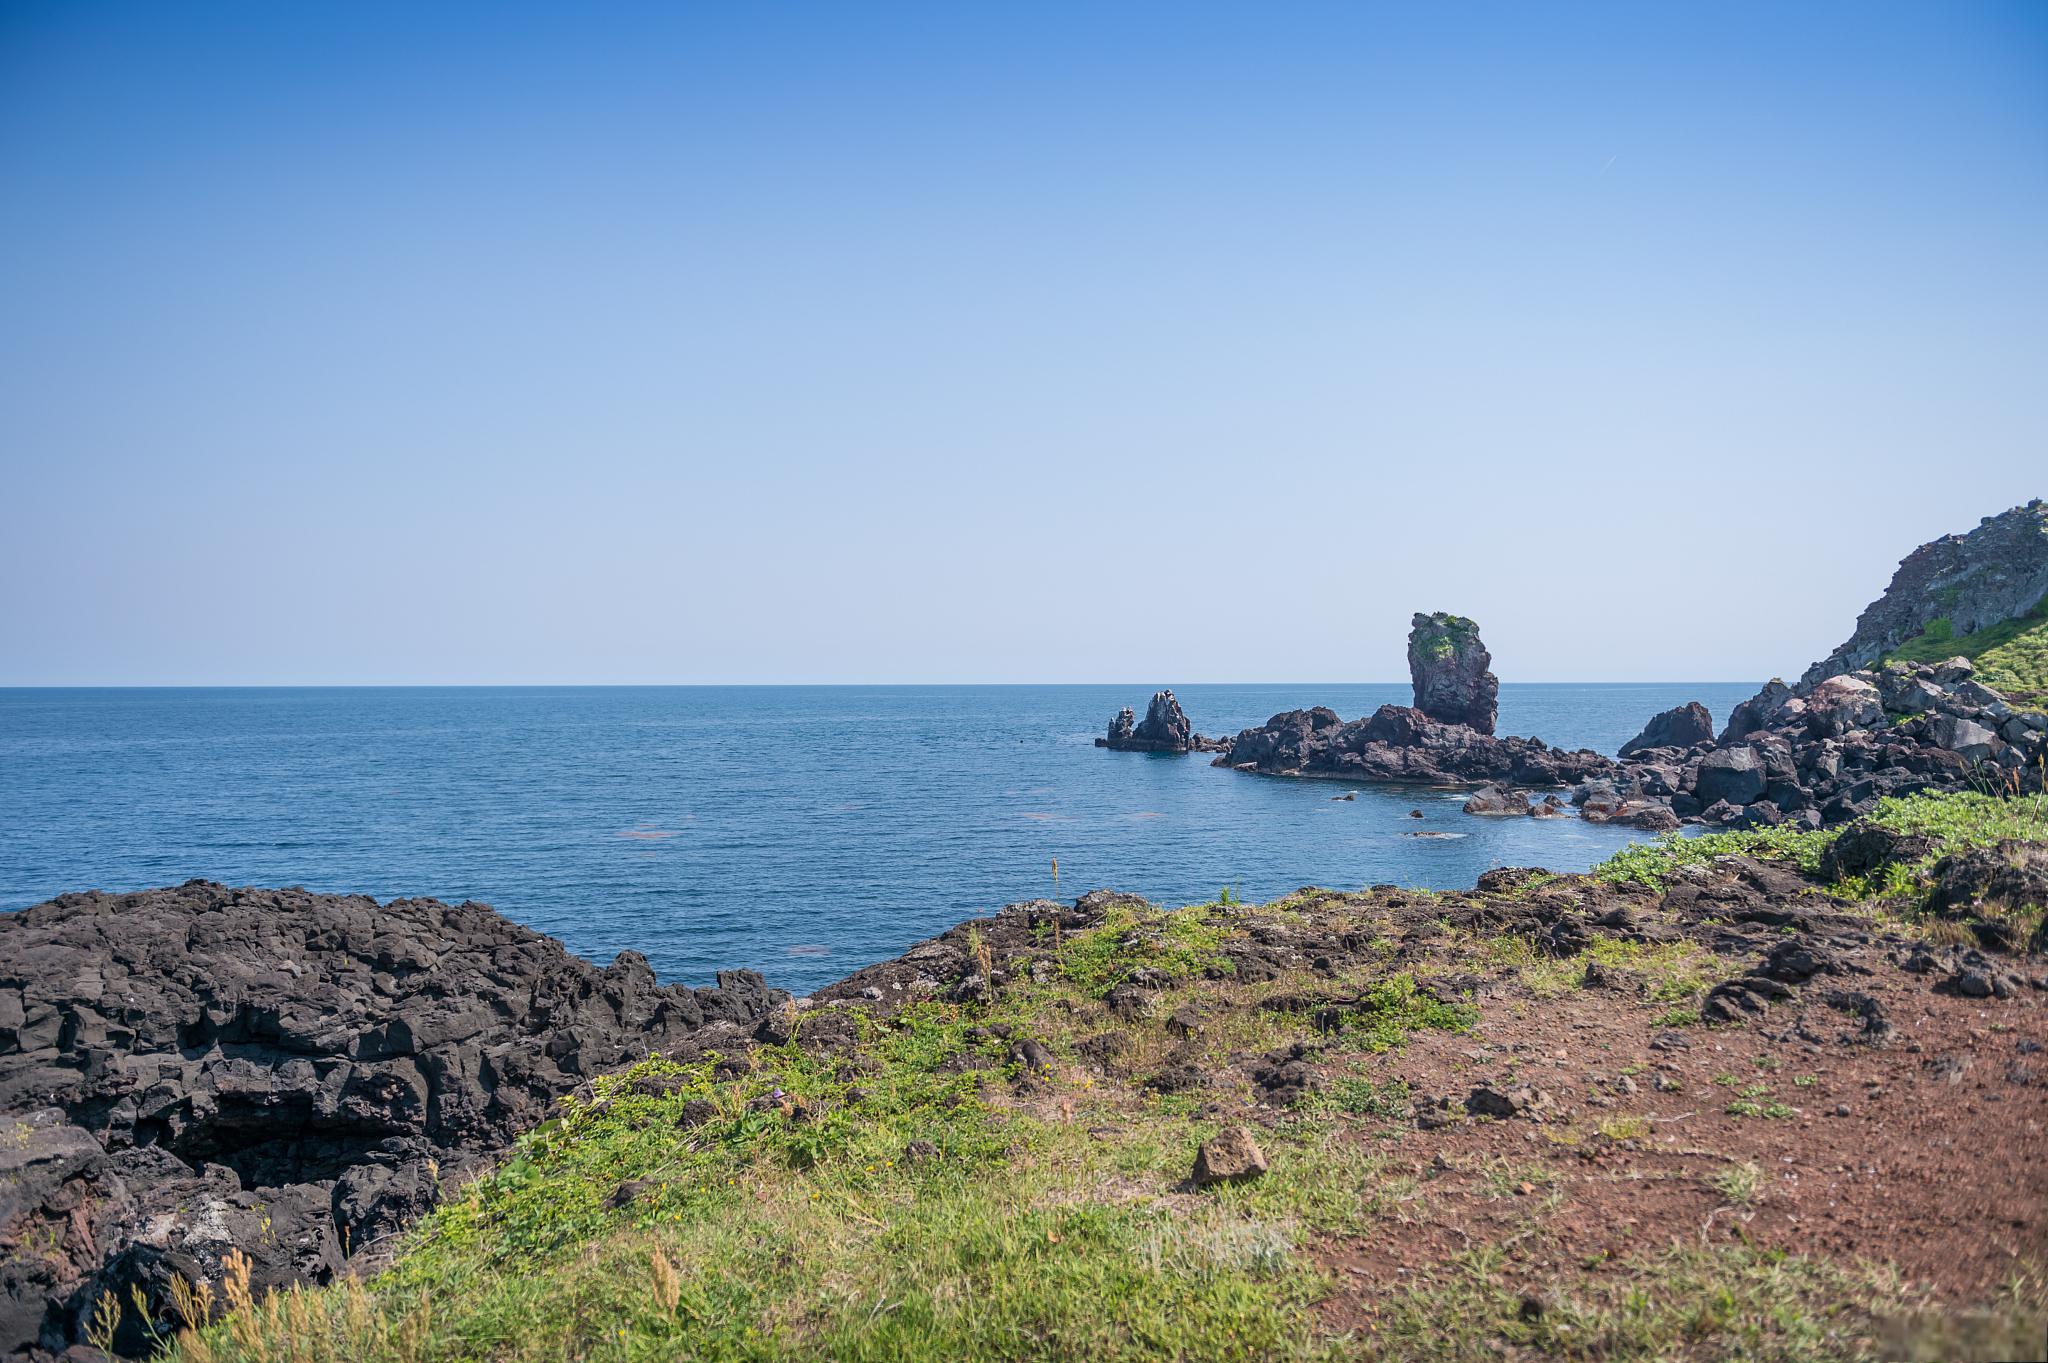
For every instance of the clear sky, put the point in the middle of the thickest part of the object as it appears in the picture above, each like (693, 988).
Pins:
(410, 342)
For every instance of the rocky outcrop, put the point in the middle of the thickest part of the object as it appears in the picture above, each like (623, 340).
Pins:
(1448, 665)
(1831, 754)
(1401, 744)
(1165, 728)
(298, 1075)
(1996, 572)
(1683, 727)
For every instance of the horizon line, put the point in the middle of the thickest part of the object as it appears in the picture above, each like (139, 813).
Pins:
(756, 686)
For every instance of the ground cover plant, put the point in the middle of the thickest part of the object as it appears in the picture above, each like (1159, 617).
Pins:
(1472, 1144)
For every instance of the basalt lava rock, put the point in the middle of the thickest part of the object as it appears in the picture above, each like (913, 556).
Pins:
(1685, 726)
(1448, 664)
(204, 1068)
(1165, 728)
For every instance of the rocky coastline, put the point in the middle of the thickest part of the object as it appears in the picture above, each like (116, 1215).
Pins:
(197, 1072)
(1860, 724)
(296, 1076)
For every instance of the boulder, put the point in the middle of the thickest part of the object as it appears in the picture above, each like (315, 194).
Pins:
(1231, 1157)
(1733, 775)
(1964, 737)
(1760, 711)
(1448, 665)
(1493, 800)
(1682, 727)
(1841, 705)
(2013, 876)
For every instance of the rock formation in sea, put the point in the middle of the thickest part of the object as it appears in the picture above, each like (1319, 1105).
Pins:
(1680, 727)
(1448, 665)
(1400, 743)
(1417, 743)
(1951, 588)
(295, 1075)
(1816, 754)
(1165, 728)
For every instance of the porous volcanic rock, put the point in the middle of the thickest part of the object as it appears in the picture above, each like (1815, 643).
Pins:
(294, 1074)
(1448, 664)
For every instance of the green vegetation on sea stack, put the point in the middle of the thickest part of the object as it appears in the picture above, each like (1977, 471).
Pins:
(927, 1187)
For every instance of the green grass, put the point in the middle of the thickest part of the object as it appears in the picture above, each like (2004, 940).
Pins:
(1396, 1006)
(1670, 972)
(1738, 1302)
(1049, 1223)
(1955, 822)
(2011, 656)
(766, 1238)
(1179, 944)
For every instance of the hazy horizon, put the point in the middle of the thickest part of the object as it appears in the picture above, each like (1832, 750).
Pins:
(630, 344)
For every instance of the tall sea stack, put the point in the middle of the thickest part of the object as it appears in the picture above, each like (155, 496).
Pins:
(1448, 665)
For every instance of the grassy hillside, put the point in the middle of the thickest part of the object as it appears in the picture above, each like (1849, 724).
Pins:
(2011, 656)
(921, 1191)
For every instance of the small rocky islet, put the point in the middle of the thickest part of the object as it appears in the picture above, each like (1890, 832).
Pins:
(1875, 718)
(1767, 1042)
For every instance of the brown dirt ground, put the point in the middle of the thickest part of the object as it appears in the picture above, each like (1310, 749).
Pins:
(1930, 1153)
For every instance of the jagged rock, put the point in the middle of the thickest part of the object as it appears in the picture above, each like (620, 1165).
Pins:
(1165, 728)
(1122, 727)
(1993, 573)
(1841, 705)
(1964, 737)
(1400, 744)
(1865, 848)
(1682, 727)
(1232, 1157)
(1496, 801)
(1448, 665)
(1731, 775)
(1502, 1102)
(282, 1071)
(2010, 876)
(1758, 712)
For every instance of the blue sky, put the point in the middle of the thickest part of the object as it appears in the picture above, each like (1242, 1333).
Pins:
(1160, 344)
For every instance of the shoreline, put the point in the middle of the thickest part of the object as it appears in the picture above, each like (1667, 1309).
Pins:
(585, 1022)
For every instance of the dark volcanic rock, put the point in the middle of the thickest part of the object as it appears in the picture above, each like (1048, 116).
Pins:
(1448, 665)
(284, 1072)
(1684, 727)
(1995, 572)
(1865, 848)
(1735, 775)
(1401, 744)
(2011, 876)
(1121, 728)
(1165, 728)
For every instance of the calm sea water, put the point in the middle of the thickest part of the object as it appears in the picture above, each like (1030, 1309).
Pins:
(803, 831)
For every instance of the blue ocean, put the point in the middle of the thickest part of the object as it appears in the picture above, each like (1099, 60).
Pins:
(802, 831)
